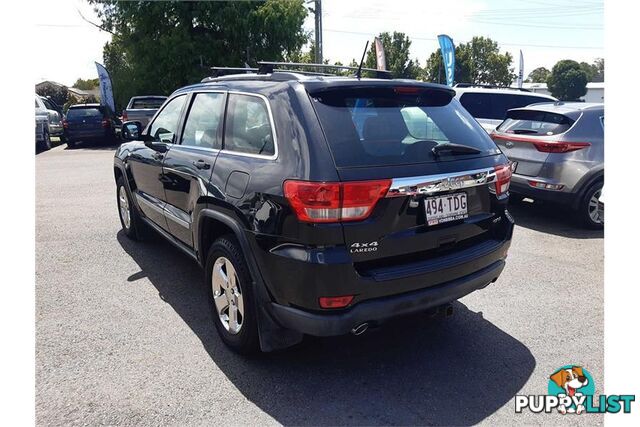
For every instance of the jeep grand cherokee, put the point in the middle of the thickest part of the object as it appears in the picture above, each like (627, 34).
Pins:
(318, 205)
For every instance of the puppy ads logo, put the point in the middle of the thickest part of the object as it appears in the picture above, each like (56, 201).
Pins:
(573, 382)
(571, 390)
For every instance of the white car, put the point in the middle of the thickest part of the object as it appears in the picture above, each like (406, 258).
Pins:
(489, 104)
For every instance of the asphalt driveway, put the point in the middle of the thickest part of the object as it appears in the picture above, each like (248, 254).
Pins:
(124, 336)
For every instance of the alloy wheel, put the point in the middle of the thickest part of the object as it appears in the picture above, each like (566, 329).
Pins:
(123, 203)
(227, 295)
(593, 207)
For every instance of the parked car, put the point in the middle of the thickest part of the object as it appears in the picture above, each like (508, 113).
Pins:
(43, 137)
(489, 104)
(55, 118)
(559, 152)
(142, 108)
(306, 222)
(90, 122)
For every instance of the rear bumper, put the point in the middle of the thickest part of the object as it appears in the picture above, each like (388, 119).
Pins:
(381, 309)
(88, 134)
(520, 185)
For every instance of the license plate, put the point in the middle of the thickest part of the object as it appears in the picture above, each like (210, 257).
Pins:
(447, 208)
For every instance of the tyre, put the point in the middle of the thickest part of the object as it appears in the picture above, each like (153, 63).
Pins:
(71, 144)
(588, 210)
(45, 145)
(129, 218)
(63, 139)
(231, 296)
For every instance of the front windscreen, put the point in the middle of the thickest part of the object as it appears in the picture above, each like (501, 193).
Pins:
(394, 126)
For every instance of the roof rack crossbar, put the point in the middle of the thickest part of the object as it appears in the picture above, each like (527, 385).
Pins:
(268, 67)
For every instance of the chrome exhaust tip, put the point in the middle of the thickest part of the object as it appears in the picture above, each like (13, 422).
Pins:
(360, 329)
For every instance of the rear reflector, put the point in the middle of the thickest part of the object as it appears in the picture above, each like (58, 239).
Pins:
(334, 201)
(546, 146)
(106, 123)
(503, 178)
(335, 302)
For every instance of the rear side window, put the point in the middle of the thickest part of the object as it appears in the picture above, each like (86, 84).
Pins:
(531, 122)
(151, 103)
(84, 112)
(204, 121)
(495, 105)
(248, 127)
(387, 126)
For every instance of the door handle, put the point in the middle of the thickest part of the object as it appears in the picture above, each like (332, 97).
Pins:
(201, 164)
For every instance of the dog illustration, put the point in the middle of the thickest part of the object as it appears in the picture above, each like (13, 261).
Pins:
(570, 380)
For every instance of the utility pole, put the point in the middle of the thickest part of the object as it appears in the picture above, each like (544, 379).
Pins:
(318, 16)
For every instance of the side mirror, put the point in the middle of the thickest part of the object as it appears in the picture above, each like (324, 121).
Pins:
(131, 131)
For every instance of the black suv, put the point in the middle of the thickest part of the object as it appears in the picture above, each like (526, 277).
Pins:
(319, 205)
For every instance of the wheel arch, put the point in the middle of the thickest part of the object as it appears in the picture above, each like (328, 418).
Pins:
(587, 182)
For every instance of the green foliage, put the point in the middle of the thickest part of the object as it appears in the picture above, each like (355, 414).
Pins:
(478, 61)
(568, 81)
(396, 50)
(539, 75)
(58, 93)
(595, 71)
(86, 84)
(161, 46)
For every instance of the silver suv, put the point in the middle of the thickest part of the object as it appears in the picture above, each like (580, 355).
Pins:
(489, 104)
(559, 153)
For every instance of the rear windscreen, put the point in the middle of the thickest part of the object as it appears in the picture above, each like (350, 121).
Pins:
(530, 122)
(152, 103)
(84, 112)
(495, 105)
(388, 126)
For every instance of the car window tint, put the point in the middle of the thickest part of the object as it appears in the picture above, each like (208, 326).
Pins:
(382, 126)
(531, 122)
(84, 112)
(151, 103)
(165, 126)
(248, 128)
(495, 105)
(204, 120)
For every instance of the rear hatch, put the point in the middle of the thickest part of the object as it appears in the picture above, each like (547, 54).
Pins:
(430, 167)
(85, 118)
(527, 137)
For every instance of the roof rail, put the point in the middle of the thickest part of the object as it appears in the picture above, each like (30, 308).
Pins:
(489, 86)
(270, 67)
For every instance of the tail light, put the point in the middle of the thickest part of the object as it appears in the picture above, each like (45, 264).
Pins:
(546, 146)
(334, 201)
(65, 124)
(106, 123)
(335, 302)
(503, 178)
(124, 116)
(560, 147)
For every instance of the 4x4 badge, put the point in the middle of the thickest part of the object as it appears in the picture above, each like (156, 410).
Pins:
(356, 248)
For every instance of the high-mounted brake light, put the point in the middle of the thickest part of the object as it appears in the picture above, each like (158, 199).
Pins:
(334, 201)
(503, 178)
(546, 146)
(406, 90)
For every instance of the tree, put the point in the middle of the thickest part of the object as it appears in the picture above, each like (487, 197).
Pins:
(589, 70)
(568, 81)
(478, 61)
(160, 46)
(86, 84)
(396, 51)
(599, 67)
(539, 75)
(59, 94)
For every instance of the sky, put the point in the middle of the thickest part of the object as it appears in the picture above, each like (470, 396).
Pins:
(545, 30)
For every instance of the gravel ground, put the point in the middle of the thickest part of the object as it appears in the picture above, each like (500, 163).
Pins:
(124, 336)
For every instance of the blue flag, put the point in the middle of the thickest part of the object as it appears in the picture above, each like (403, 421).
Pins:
(448, 56)
(106, 89)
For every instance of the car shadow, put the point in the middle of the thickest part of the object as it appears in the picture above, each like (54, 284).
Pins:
(453, 371)
(95, 145)
(551, 218)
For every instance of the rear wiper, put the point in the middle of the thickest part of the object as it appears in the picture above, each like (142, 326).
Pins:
(453, 149)
(524, 131)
